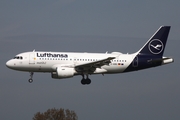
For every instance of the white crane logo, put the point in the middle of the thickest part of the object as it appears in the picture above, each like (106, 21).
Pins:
(156, 46)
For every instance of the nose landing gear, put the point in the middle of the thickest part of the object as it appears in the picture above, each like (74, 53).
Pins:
(31, 76)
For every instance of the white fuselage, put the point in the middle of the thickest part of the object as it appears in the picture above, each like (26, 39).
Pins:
(48, 61)
(67, 64)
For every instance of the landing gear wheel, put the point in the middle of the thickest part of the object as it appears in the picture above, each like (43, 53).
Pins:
(83, 81)
(30, 80)
(31, 77)
(88, 81)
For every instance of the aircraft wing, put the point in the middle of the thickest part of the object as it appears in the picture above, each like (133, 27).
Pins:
(91, 66)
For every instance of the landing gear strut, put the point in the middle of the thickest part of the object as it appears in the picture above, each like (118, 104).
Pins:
(86, 81)
(31, 76)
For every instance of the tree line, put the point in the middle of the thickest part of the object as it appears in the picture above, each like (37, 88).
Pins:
(56, 114)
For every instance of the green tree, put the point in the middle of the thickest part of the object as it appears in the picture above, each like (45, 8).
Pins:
(56, 114)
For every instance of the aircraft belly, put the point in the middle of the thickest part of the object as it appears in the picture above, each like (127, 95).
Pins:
(34, 68)
(114, 69)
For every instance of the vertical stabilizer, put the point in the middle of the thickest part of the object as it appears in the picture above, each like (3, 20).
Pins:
(156, 44)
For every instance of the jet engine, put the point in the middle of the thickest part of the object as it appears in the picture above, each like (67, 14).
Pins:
(63, 72)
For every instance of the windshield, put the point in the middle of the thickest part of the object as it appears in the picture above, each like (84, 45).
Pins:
(18, 57)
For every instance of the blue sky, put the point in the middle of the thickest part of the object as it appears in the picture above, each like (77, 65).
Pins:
(89, 26)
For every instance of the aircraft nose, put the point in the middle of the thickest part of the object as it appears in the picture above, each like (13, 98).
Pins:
(9, 64)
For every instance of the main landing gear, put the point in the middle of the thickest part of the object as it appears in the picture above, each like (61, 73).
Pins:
(86, 81)
(31, 76)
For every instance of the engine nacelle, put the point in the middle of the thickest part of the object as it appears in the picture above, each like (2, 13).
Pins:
(63, 72)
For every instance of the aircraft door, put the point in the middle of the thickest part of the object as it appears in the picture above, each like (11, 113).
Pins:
(135, 62)
(32, 58)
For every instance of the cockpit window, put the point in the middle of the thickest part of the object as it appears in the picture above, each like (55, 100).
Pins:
(18, 57)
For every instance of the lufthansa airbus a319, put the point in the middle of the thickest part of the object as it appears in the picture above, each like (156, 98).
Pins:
(68, 64)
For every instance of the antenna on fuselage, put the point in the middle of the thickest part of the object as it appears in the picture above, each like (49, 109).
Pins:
(34, 50)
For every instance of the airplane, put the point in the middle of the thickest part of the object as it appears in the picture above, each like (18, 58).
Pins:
(68, 64)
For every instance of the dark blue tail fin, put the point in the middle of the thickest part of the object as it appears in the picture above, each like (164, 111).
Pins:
(156, 44)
